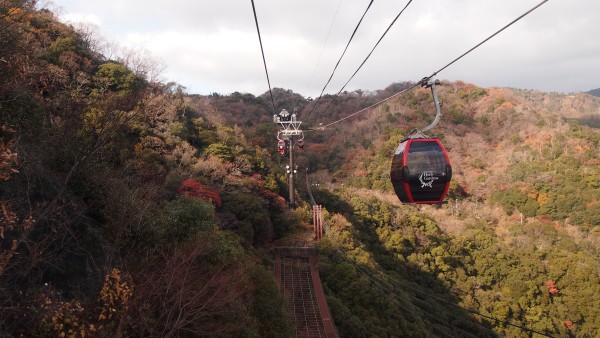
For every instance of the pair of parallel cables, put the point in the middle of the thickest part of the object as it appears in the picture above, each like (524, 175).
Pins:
(371, 52)
(339, 60)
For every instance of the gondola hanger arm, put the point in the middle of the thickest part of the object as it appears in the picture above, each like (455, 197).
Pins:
(438, 105)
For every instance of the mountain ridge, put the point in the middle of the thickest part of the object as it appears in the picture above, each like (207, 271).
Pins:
(594, 92)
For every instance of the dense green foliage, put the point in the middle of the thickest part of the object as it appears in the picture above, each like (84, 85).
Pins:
(392, 271)
(555, 183)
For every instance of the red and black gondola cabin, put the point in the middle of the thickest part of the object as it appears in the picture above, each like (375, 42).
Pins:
(281, 147)
(421, 171)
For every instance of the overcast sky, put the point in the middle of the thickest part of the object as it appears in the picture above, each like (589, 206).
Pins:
(212, 46)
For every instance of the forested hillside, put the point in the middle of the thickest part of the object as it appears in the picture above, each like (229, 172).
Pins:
(131, 208)
(124, 212)
(595, 92)
(518, 242)
(514, 251)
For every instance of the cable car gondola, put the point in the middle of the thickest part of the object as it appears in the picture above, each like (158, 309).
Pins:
(281, 147)
(421, 170)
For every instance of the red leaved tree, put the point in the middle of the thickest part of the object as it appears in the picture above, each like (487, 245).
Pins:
(568, 324)
(552, 287)
(195, 189)
(274, 199)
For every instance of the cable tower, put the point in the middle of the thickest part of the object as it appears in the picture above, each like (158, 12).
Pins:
(289, 129)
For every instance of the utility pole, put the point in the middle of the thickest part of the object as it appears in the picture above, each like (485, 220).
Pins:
(292, 172)
(290, 127)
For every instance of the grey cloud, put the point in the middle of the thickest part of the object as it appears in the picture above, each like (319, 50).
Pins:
(555, 48)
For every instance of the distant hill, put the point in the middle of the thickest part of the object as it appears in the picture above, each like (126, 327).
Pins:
(524, 188)
(595, 92)
(488, 131)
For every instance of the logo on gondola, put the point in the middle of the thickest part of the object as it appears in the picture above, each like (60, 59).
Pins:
(426, 178)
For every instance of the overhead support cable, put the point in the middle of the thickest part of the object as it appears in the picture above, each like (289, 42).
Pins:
(434, 73)
(263, 54)
(340, 59)
(324, 44)
(369, 55)
(488, 38)
(312, 199)
(371, 106)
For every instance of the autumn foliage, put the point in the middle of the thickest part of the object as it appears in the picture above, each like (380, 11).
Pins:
(569, 324)
(274, 199)
(92, 151)
(552, 287)
(193, 188)
(8, 158)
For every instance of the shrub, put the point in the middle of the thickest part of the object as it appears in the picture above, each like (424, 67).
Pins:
(248, 208)
(185, 217)
(194, 189)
